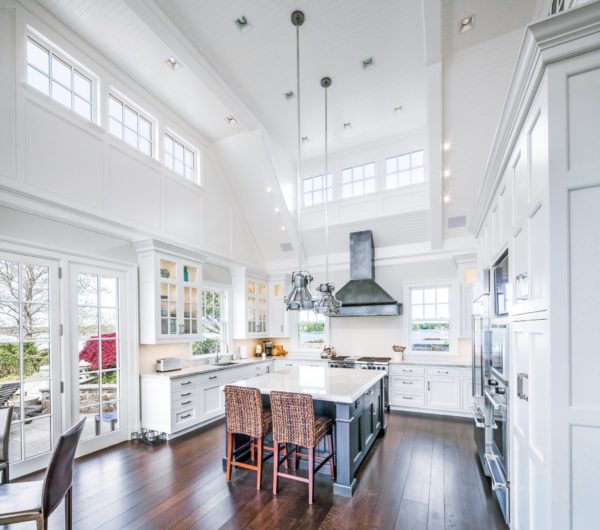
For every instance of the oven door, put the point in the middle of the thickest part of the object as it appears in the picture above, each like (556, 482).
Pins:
(498, 345)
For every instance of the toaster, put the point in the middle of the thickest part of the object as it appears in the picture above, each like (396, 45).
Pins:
(169, 364)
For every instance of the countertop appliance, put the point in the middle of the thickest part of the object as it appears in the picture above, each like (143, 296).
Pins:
(169, 364)
(367, 363)
(268, 348)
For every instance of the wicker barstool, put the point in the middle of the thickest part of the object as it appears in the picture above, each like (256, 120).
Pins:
(294, 422)
(245, 415)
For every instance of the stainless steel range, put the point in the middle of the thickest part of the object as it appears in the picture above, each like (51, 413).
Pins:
(367, 363)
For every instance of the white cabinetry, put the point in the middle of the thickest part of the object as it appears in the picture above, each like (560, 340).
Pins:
(177, 404)
(278, 316)
(250, 305)
(546, 148)
(170, 295)
(432, 389)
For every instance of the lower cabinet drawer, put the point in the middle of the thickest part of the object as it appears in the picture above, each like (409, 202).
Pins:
(184, 383)
(184, 417)
(407, 385)
(408, 369)
(183, 404)
(448, 371)
(408, 400)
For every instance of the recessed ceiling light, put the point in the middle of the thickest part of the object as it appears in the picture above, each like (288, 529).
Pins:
(347, 125)
(230, 120)
(446, 172)
(276, 210)
(446, 146)
(305, 139)
(447, 198)
(242, 23)
(269, 189)
(289, 94)
(173, 63)
(283, 228)
(368, 62)
(398, 108)
(467, 24)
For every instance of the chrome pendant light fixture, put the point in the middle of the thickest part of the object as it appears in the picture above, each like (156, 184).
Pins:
(327, 304)
(300, 297)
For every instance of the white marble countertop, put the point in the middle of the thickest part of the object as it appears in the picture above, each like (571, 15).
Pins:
(203, 368)
(321, 382)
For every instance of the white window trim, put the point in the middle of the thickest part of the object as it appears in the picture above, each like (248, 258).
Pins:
(43, 41)
(118, 95)
(228, 327)
(294, 319)
(374, 178)
(453, 317)
(188, 145)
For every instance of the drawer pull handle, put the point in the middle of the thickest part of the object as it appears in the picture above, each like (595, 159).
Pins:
(186, 383)
(445, 372)
(186, 394)
(186, 416)
(407, 382)
(406, 397)
(212, 377)
(186, 402)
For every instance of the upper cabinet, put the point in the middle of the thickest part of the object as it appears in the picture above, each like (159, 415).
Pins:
(278, 316)
(170, 291)
(250, 304)
(258, 309)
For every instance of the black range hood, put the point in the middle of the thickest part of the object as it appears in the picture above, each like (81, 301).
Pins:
(362, 296)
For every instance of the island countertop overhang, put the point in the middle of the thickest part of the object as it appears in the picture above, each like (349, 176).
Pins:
(337, 385)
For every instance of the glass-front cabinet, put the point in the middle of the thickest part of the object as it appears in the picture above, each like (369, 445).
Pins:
(170, 298)
(256, 307)
(250, 305)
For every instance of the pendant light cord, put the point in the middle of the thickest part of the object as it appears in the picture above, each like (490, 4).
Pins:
(299, 178)
(326, 196)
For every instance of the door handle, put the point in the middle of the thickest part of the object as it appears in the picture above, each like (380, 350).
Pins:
(521, 376)
(492, 401)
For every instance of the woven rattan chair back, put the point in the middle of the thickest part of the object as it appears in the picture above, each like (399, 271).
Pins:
(244, 411)
(293, 418)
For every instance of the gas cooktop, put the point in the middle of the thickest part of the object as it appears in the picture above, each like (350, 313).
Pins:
(373, 359)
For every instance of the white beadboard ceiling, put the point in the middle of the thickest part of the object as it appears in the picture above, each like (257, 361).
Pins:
(259, 64)
(113, 28)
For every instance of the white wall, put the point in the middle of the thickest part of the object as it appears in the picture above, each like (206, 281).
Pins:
(475, 83)
(94, 178)
(377, 335)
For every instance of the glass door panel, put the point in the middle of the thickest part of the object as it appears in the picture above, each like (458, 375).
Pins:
(28, 357)
(99, 341)
(191, 299)
(168, 298)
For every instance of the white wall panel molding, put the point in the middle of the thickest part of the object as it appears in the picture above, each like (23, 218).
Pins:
(549, 41)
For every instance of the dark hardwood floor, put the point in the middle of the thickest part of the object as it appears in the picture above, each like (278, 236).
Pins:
(422, 474)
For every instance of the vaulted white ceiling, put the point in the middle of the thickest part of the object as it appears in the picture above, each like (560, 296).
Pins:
(260, 64)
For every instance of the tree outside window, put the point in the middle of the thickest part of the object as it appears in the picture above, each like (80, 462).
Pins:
(311, 331)
(214, 322)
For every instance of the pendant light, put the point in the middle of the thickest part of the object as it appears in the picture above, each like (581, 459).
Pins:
(300, 297)
(327, 304)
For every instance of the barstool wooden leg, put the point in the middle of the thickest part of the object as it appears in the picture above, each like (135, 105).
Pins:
(275, 465)
(296, 458)
(331, 463)
(311, 474)
(229, 455)
(259, 463)
(252, 451)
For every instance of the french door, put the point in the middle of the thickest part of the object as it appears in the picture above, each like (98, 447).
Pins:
(99, 354)
(30, 370)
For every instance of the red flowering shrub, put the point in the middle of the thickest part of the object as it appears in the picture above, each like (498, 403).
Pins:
(89, 352)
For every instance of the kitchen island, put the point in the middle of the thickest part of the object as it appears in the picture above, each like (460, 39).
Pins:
(353, 399)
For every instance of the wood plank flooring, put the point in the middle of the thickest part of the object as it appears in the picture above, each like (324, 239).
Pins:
(422, 475)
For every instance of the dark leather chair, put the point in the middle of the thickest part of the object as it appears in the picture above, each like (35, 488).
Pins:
(35, 501)
(5, 419)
